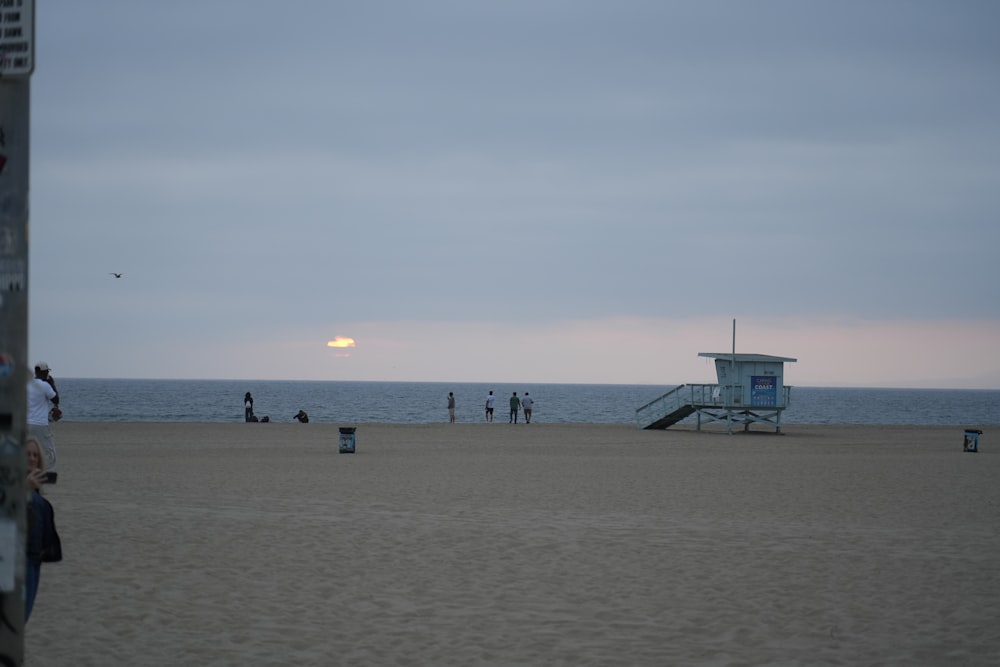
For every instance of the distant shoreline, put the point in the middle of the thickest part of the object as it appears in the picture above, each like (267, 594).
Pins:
(857, 432)
(515, 383)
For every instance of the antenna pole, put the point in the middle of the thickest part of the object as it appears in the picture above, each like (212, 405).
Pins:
(732, 384)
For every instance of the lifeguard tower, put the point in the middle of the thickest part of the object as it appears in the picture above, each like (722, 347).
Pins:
(751, 389)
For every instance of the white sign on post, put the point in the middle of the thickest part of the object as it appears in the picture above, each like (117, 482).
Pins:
(17, 37)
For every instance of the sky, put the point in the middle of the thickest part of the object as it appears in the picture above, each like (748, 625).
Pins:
(567, 191)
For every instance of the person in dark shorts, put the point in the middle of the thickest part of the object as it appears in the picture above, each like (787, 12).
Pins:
(489, 406)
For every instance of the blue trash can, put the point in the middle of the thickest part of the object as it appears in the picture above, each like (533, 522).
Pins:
(347, 439)
(971, 441)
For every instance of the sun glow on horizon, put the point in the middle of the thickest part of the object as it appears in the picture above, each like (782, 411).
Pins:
(341, 341)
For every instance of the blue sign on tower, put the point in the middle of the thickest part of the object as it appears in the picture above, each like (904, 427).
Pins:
(763, 391)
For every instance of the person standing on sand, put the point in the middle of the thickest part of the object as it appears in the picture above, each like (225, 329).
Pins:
(515, 405)
(248, 407)
(489, 406)
(451, 408)
(526, 404)
(42, 397)
(42, 543)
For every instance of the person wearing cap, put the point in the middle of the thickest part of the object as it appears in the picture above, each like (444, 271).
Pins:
(42, 397)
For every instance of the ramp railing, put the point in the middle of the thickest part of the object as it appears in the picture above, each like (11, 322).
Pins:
(679, 399)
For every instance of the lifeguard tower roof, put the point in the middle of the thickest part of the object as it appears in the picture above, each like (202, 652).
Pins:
(744, 357)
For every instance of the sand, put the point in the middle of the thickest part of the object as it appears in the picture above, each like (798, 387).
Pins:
(492, 544)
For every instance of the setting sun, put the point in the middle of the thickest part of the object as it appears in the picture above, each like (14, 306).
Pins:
(340, 341)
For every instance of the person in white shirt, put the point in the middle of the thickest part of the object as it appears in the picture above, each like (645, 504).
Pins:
(526, 404)
(42, 397)
(489, 406)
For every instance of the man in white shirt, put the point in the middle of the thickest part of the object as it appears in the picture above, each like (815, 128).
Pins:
(42, 397)
(489, 406)
(527, 404)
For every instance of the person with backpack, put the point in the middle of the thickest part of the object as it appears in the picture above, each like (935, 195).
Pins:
(43, 400)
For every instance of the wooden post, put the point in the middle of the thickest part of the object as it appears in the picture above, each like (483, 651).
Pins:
(16, 66)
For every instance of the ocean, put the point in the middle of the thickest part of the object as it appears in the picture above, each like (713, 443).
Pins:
(99, 400)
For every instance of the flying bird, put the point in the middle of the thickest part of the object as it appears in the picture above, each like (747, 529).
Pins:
(117, 275)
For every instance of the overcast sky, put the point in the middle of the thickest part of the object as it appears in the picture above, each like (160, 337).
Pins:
(517, 191)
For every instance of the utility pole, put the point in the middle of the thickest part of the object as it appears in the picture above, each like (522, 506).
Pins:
(17, 62)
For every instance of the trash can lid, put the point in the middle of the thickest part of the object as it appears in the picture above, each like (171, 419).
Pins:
(348, 429)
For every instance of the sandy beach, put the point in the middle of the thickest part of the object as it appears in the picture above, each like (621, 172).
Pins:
(492, 544)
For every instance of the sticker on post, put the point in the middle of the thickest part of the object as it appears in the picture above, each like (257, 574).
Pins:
(7, 365)
(8, 555)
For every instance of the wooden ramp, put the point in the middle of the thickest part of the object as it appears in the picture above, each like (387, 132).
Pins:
(669, 420)
(675, 405)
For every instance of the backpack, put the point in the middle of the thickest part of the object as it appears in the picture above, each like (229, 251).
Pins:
(51, 544)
